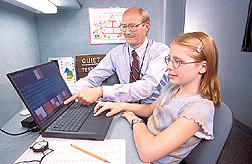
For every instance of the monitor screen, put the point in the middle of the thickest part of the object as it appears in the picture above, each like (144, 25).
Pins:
(42, 89)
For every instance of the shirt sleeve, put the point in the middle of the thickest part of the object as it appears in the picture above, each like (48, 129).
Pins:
(117, 61)
(95, 77)
(202, 112)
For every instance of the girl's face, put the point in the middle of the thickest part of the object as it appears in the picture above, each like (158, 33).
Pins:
(188, 74)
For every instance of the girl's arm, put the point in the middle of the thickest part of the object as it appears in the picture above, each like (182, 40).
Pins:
(139, 109)
(152, 148)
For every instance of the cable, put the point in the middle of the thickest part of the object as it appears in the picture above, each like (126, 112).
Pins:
(34, 129)
(44, 155)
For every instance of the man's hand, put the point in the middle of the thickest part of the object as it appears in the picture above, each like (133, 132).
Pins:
(87, 96)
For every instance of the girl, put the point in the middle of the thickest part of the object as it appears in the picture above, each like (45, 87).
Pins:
(184, 112)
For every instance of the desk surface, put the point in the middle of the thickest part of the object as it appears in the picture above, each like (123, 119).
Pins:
(11, 147)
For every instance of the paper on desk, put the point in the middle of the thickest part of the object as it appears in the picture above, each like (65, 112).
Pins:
(113, 150)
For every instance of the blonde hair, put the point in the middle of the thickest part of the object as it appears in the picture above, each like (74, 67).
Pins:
(207, 51)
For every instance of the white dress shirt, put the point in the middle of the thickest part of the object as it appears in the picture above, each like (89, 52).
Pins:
(153, 73)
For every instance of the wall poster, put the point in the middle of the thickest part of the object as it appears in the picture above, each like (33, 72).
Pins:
(66, 68)
(104, 25)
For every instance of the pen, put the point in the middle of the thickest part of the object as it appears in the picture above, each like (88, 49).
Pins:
(100, 158)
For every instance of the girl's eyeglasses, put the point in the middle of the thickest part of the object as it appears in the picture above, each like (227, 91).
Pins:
(176, 62)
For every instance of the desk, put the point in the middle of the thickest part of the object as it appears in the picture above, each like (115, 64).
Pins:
(11, 147)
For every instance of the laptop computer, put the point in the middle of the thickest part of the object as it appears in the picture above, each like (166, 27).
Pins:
(43, 91)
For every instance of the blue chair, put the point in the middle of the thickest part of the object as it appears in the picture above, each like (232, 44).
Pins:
(208, 152)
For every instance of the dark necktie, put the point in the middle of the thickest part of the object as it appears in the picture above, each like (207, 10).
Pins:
(134, 74)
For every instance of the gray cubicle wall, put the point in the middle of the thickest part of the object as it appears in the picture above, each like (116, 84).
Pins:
(174, 18)
(225, 20)
(18, 49)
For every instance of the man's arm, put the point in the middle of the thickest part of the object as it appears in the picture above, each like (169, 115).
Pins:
(88, 89)
(118, 60)
(95, 77)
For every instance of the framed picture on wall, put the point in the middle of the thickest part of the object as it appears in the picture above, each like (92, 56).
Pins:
(104, 25)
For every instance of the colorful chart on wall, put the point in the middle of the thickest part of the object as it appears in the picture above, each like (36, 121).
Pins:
(104, 25)
(66, 68)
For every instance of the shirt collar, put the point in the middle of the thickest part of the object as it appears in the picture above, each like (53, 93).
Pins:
(140, 50)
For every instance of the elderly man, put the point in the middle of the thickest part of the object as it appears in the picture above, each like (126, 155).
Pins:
(138, 63)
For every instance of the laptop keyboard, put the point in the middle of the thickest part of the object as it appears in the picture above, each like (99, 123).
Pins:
(73, 118)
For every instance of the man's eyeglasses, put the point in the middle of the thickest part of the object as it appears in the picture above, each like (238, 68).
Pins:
(132, 27)
(176, 62)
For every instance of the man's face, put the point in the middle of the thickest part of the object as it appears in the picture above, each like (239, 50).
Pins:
(134, 38)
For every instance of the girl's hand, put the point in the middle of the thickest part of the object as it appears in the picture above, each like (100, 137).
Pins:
(129, 116)
(103, 106)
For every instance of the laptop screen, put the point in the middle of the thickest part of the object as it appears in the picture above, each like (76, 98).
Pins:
(42, 89)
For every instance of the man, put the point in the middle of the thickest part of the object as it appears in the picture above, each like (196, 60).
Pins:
(149, 66)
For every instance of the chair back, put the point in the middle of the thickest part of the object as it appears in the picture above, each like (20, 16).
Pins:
(208, 152)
